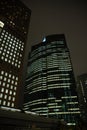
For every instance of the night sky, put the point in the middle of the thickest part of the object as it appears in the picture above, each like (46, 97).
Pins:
(61, 16)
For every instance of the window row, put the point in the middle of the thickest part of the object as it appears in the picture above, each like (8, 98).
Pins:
(9, 75)
(6, 97)
(11, 83)
(5, 103)
(7, 91)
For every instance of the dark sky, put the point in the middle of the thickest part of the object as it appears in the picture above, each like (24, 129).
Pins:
(61, 16)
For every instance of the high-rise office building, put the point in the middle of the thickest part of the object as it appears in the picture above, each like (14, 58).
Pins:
(82, 95)
(14, 22)
(50, 88)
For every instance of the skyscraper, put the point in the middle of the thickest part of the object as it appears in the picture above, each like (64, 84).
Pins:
(14, 22)
(82, 94)
(50, 88)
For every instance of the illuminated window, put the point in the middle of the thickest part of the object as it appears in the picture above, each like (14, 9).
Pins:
(4, 50)
(8, 80)
(12, 63)
(6, 59)
(6, 91)
(1, 48)
(15, 64)
(15, 88)
(14, 93)
(12, 82)
(9, 75)
(1, 77)
(12, 104)
(10, 57)
(10, 92)
(17, 78)
(3, 84)
(8, 52)
(0, 82)
(5, 78)
(18, 66)
(6, 74)
(19, 62)
(13, 77)
(7, 85)
(3, 54)
(2, 58)
(2, 72)
(8, 104)
(11, 86)
(9, 98)
(5, 97)
(7, 55)
(1, 95)
(9, 61)
(13, 99)
(5, 35)
(16, 83)
(1, 24)
(4, 103)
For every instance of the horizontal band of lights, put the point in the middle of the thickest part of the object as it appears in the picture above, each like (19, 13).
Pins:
(38, 100)
(69, 97)
(36, 91)
(52, 104)
(62, 84)
(29, 112)
(61, 113)
(40, 108)
(44, 73)
(54, 85)
(72, 102)
(1, 24)
(73, 109)
(44, 114)
(54, 54)
(39, 88)
(45, 88)
(37, 103)
(46, 108)
(42, 111)
(71, 124)
(64, 113)
(59, 87)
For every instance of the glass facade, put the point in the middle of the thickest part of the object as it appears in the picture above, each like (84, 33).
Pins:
(14, 22)
(50, 88)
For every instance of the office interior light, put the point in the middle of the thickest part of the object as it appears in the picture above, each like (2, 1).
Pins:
(1, 24)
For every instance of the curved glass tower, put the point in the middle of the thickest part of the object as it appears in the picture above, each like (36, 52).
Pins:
(50, 84)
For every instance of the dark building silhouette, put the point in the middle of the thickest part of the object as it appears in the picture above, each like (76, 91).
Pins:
(50, 88)
(14, 23)
(82, 95)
